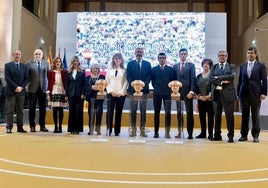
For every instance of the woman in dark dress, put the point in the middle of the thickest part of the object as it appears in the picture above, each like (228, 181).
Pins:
(75, 96)
(95, 106)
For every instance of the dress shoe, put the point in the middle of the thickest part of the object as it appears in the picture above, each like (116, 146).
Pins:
(167, 135)
(116, 134)
(33, 129)
(256, 140)
(21, 131)
(217, 138)
(43, 129)
(230, 140)
(241, 139)
(201, 136)
(178, 136)
(143, 135)
(156, 135)
(9, 131)
(133, 134)
(210, 137)
(190, 137)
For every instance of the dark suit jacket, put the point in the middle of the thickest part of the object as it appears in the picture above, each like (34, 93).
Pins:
(256, 84)
(187, 78)
(161, 78)
(15, 78)
(75, 87)
(35, 79)
(228, 90)
(133, 74)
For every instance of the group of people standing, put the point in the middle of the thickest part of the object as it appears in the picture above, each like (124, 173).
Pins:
(214, 90)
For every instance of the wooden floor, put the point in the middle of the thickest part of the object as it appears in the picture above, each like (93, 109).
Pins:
(38, 160)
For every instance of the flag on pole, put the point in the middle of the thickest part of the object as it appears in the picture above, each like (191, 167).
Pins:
(64, 59)
(49, 57)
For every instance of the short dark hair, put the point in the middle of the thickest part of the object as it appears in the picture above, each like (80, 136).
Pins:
(161, 54)
(252, 48)
(209, 61)
(183, 50)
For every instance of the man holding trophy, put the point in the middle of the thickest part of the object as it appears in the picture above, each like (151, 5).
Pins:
(138, 69)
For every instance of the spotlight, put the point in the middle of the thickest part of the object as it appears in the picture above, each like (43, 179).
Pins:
(257, 29)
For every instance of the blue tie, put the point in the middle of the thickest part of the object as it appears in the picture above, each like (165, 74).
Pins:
(39, 66)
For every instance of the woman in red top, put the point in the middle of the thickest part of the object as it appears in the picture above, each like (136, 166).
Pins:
(56, 93)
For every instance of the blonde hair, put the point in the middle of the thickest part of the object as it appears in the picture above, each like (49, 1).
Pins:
(75, 58)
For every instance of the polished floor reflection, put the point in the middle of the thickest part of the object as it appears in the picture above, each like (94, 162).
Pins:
(66, 160)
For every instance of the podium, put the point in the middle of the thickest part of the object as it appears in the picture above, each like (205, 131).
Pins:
(97, 120)
(137, 130)
(174, 139)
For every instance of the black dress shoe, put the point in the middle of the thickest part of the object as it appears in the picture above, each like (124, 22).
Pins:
(241, 139)
(210, 137)
(33, 129)
(21, 131)
(256, 140)
(116, 134)
(43, 129)
(156, 135)
(218, 138)
(190, 137)
(230, 140)
(9, 131)
(201, 136)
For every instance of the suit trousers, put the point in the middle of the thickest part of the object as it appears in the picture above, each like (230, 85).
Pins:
(157, 100)
(42, 103)
(228, 106)
(15, 104)
(133, 111)
(250, 103)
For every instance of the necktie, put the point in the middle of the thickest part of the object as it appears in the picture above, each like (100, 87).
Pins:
(221, 69)
(17, 66)
(39, 66)
(139, 67)
(249, 69)
(182, 67)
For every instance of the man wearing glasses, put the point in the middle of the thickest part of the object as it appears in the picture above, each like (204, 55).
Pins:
(38, 80)
(161, 75)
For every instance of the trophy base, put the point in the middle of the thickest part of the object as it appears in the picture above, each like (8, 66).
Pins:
(101, 97)
(137, 97)
(176, 98)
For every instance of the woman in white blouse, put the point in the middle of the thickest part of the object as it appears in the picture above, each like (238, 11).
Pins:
(116, 89)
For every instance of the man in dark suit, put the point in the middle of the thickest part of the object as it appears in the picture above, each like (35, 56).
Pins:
(251, 90)
(185, 73)
(138, 69)
(161, 75)
(38, 80)
(223, 95)
(16, 80)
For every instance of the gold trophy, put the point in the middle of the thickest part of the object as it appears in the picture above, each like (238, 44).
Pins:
(175, 87)
(138, 85)
(101, 85)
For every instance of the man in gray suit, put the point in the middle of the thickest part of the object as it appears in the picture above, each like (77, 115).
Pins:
(38, 80)
(223, 94)
(16, 80)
